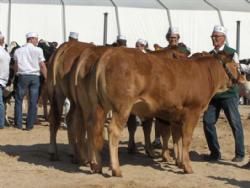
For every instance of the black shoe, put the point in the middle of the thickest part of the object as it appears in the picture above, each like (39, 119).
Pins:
(238, 159)
(28, 129)
(212, 157)
(18, 127)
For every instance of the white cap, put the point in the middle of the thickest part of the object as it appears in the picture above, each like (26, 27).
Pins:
(173, 31)
(121, 37)
(220, 29)
(142, 41)
(31, 34)
(73, 35)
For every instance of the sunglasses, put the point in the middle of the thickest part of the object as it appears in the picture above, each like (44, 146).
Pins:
(217, 36)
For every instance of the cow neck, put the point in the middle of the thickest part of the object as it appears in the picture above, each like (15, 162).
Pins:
(211, 79)
(229, 73)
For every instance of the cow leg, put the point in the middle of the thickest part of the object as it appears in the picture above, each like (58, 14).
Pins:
(177, 141)
(191, 120)
(45, 108)
(165, 130)
(115, 129)
(71, 121)
(95, 128)
(44, 98)
(147, 126)
(55, 119)
(131, 124)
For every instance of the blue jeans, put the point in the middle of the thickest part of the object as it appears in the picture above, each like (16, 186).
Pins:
(31, 84)
(230, 108)
(2, 109)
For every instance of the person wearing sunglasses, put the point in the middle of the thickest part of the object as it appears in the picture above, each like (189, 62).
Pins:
(173, 37)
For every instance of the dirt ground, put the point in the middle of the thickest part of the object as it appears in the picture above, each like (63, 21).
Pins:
(24, 162)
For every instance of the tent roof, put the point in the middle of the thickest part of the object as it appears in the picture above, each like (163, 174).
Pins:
(226, 5)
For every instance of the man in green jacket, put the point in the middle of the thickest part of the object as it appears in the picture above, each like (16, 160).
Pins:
(227, 101)
(173, 37)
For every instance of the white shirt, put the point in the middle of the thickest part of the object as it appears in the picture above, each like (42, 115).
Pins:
(28, 58)
(4, 66)
(245, 68)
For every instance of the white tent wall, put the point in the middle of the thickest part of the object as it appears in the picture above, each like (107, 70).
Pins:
(230, 18)
(195, 27)
(89, 22)
(146, 19)
(42, 18)
(4, 18)
(149, 24)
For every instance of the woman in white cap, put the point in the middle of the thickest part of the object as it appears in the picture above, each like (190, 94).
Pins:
(173, 37)
(30, 64)
(228, 101)
(4, 76)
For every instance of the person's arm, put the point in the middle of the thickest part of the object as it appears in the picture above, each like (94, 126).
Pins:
(245, 68)
(15, 65)
(43, 69)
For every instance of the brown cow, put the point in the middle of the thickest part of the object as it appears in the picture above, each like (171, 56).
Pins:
(129, 81)
(86, 97)
(58, 85)
(166, 54)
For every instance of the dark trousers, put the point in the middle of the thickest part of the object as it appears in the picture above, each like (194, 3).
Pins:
(230, 108)
(24, 83)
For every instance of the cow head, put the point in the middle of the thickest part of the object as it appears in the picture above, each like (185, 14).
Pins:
(232, 69)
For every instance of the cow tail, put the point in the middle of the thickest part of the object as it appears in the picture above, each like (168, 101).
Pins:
(83, 59)
(56, 60)
(100, 76)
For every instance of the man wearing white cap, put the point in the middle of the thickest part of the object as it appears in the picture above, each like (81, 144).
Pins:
(228, 101)
(121, 41)
(4, 76)
(142, 45)
(173, 37)
(29, 65)
(73, 36)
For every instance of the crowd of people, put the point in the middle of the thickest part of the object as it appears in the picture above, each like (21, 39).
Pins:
(29, 67)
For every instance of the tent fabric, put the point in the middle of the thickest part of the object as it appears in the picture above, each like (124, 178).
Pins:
(147, 19)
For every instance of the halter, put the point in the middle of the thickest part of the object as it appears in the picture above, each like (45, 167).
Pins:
(229, 73)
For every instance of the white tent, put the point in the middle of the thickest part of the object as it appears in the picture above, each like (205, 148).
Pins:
(148, 19)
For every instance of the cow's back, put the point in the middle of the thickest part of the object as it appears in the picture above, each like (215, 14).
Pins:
(127, 74)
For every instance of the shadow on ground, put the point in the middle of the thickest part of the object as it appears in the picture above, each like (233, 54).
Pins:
(38, 154)
(231, 181)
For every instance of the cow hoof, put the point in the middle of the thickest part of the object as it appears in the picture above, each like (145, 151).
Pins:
(95, 168)
(116, 173)
(188, 171)
(53, 157)
(151, 153)
(85, 163)
(179, 164)
(166, 157)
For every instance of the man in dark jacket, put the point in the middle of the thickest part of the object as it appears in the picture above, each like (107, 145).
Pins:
(228, 101)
